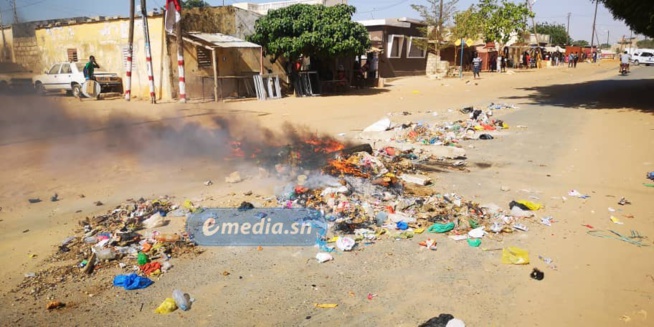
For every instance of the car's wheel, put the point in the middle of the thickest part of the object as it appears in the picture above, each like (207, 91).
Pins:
(40, 89)
(636, 63)
(77, 90)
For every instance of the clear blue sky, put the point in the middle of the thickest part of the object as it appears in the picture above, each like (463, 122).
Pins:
(546, 11)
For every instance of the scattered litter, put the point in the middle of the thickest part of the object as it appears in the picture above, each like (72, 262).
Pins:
(325, 305)
(474, 242)
(379, 126)
(615, 220)
(345, 243)
(515, 255)
(324, 257)
(132, 281)
(577, 194)
(486, 137)
(521, 227)
(52, 305)
(34, 200)
(547, 221)
(537, 274)
(167, 306)
(54, 198)
(182, 300)
(549, 262)
(429, 244)
(623, 201)
(650, 175)
(208, 183)
(635, 238)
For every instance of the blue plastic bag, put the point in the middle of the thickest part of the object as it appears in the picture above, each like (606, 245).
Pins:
(132, 282)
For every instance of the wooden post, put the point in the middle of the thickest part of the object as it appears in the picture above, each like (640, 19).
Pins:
(130, 52)
(180, 59)
(161, 57)
(215, 74)
(148, 53)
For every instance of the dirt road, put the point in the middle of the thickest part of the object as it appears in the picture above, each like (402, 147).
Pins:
(585, 129)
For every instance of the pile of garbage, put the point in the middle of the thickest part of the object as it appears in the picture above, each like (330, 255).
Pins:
(385, 192)
(125, 237)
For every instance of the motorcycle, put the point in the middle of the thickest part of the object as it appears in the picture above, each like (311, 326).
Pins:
(623, 69)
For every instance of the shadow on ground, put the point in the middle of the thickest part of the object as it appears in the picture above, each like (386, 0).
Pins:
(617, 93)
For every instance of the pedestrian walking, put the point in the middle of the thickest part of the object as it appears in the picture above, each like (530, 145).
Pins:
(476, 65)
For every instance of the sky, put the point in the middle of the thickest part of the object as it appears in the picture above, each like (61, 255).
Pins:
(553, 11)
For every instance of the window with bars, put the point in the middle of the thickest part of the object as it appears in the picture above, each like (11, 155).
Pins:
(72, 55)
(204, 57)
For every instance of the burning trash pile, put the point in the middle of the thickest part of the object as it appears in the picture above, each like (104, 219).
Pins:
(125, 238)
(369, 194)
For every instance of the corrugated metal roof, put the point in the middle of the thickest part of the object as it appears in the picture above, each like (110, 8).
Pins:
(222, 40)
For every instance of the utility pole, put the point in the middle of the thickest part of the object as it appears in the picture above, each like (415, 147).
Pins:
(180, 59)
(568, 29)
(148, 53)
(592, 37)
(130, 52)
(15, 12)
(533, 21)
(440, 31)
(607, 37)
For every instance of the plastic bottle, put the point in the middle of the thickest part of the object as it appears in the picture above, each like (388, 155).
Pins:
(181, 300)
(381, 218)
(167, 237)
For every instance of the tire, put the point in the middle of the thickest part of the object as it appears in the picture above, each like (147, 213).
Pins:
(40, 90)
(636, 63)
(77, 90)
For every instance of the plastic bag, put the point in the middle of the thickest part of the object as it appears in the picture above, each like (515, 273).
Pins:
(181, 300)
(167, 306)
(441, 228)
(132, 281)
(531, 205)
(515, 256)
(154, 221)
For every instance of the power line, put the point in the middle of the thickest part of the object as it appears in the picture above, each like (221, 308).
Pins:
(383, 8)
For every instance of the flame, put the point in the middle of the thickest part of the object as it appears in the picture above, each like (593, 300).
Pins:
(344, 167)
(325, 145)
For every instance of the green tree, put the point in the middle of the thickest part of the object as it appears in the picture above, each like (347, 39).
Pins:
(581, 43)
(467, 24)
(311, 30)
(557, 32)
(637, 14)
(188, 4)
(436, 20)
(646, 43)
(500, 21)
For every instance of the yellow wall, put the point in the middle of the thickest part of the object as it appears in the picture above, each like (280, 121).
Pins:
(105, 40)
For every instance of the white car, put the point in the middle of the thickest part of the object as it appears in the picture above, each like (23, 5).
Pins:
(69, 76)
(643, 57)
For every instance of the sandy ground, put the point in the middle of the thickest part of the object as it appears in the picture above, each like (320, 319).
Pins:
(586, 129)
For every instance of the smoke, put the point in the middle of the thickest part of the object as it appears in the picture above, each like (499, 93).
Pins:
(68, 135)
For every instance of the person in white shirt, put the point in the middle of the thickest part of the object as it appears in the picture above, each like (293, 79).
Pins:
(624, 61)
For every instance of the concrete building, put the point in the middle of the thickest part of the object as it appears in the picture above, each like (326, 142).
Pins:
(263, 8)
(397, 44)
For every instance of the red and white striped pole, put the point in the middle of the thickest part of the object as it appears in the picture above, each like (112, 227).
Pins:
(130, 53)
(148, 53)
(180, 57)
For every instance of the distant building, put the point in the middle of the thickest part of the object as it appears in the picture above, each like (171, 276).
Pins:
(263, 8)
(396, 47)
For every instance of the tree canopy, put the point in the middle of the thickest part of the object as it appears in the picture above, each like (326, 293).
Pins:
(637, 14)
(647, 43)
(188, 4)
(435, 20)
(581, 43)
(466, 24)
(311, 30)
(557, 32)
(500, 21)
